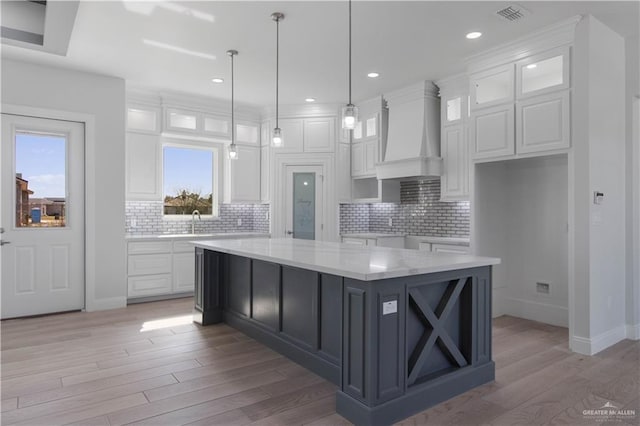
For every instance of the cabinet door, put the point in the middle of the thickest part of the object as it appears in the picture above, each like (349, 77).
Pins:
(492, 87)
(422, 246)
(184, 277)
(370, 157)
(454, 182)
(265, 173)
(492, 132)
(248, 133)
(451, 109)
(292, 135)
(245, 175)
(148, 285)
(217, 126)
(319, 134)
(372, 242)
(343, 186)
(542, 123)
(142, 159)
(357, 159)
(354, 241)
(544, 73)
(146, 264)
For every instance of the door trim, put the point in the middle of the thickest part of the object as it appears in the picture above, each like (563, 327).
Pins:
(89, 120)
(326, 161)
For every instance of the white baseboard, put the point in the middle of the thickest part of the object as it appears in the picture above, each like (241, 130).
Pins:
(633, 331)
(535, 311)
(591, 346)
(106, 303)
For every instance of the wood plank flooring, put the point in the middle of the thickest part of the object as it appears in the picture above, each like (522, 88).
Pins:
(148, 364)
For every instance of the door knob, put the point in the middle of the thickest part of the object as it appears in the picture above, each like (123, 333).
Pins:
(289, 232)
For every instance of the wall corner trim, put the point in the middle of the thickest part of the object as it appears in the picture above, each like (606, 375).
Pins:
(633, 331)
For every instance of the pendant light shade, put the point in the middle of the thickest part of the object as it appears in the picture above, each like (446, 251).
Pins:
(276, 140)
(349, 111)
(233, 149)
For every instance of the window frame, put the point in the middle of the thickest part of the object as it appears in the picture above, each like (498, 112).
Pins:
(217, 174)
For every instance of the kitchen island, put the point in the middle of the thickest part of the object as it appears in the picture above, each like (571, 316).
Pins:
(397, 330)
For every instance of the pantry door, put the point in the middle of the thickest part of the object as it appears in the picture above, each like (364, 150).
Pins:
(42, 216)
(303, 205)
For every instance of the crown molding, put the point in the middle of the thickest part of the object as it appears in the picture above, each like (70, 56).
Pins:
(558, 34)
(301, 110)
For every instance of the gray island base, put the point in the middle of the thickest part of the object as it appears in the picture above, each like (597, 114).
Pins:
(397, 330)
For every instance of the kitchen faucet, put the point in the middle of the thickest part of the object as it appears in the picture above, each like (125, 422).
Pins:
(193, 220)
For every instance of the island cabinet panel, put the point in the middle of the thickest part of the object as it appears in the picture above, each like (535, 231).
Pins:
(354, 359)
(265, 294)
(238, 277)
(209, 277)
(330, 317)
(300, 306)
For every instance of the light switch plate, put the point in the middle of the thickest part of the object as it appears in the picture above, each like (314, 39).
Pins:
(390, 307)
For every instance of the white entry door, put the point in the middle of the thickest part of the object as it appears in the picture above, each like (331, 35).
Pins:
(303, 203)
(42, 216)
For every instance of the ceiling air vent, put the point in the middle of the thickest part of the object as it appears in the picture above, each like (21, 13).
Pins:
(513, 12)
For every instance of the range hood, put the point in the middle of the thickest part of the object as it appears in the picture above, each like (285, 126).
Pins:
(413, 142)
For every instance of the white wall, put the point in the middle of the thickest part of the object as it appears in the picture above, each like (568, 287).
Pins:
(521, 211)
(55, 89)
(599, 157)
(632, 105)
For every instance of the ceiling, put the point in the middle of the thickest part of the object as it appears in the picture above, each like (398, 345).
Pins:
(180, 46)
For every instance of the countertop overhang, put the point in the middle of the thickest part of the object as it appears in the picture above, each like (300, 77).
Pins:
(360, 263)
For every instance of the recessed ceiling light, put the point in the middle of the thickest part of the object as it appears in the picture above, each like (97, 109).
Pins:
(474, 34)
(373, 75)
(531, 66)
(310, 100)
(217, 80)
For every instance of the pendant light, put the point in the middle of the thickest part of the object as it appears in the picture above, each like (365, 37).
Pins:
(349, 111)
(233, 149)
(276, 140)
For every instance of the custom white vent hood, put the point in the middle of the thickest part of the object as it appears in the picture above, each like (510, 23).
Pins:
(413, 142)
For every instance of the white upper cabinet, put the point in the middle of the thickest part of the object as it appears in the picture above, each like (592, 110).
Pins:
(492, 87)
(143, 160)
(543, 73)
(343, 183)
(454, 182)
(248, 134)
(492, 132)
(144, 119)
(265, 173)
(319, 134)
(542, 123)
(217, 126)
(243, 176)
(292, 135)
(182, 120)
(368, 138)
(454, 145)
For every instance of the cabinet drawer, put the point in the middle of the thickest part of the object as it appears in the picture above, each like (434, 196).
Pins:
(449, 248)
(424, 246)
(149, 247)
(355, 241)
(146, 264)
(183, 247)
(149, 285)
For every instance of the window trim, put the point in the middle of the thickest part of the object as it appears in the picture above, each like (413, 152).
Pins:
(217, 174)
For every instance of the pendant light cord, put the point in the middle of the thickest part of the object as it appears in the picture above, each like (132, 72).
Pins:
(349, 52)
(277, 65)
(233, 126)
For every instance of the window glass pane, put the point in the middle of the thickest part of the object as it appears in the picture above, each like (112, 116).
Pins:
(182, 121)
(454, 109)
(188, 180)
(41, 190)
(543, 74)
(493, 87)
(304, 206)
(141, 119)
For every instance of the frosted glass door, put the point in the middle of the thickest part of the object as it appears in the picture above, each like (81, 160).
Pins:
(304, 208)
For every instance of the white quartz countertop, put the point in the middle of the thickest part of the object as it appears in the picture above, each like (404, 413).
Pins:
(210, 236)
(361, 263)
(439, 240)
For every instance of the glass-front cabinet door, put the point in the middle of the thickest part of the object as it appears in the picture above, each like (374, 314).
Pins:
(544, 73)
(491, 87)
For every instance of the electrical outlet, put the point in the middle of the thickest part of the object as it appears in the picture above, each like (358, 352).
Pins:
(390, 221)
(134, 222)
(543, 288)
(239, 222)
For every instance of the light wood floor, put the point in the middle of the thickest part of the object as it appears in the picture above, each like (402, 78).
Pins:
(130, 366)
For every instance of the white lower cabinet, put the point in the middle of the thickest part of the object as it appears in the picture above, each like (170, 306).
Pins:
(450, 248)
(184, 277)
(149, 285)
(380, 241)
